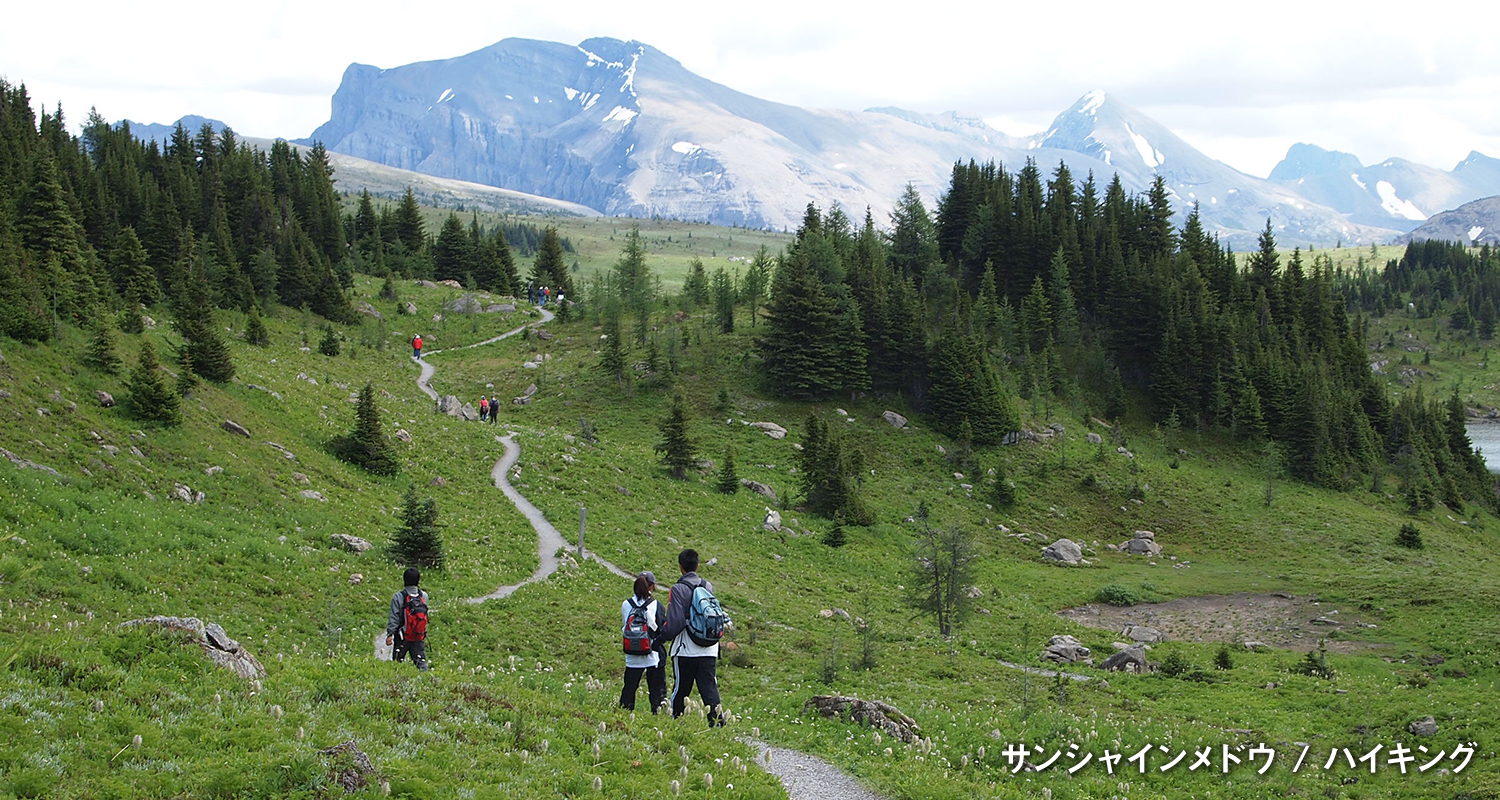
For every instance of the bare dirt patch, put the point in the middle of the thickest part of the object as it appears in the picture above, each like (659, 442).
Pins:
(1276, 620)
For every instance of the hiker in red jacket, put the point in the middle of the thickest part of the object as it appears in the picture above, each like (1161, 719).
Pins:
(416, 347)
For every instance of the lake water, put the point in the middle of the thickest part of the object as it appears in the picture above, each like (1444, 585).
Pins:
(1486, 439)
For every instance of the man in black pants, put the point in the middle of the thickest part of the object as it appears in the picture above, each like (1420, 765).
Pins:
(406, 605)
(691, 662)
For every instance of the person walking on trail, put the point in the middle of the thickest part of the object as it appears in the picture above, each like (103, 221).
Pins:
(484, 408)
(406, 630)
(494, 409)
(641, 616)
(695, 649)
(416, 347)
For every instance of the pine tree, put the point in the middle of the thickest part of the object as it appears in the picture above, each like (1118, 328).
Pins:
(409, 223)
(255, 329)
(695, 285)
(195, 320)
(186, 380)
(675, 447)
(550, 267)
(367, 446)
(151, 399)
(729, 478)
(723, 293)
(329, 344)
(612, 360)
(757, 279)
(418, 541)
(101, 354)
(452, 258)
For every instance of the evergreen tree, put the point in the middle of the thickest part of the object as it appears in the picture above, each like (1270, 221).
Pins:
(101, 354)
(695, 285)
(612, 360)
(941, 575)
(1063, 306)
(367, 446)
(729, 478)
(676, 448)
(195, 321)
(329, 344)
(1036, 317)
(409, 223)
(550, 268)
(723, 293)
(151, 399)
(757, 280)
(134, 277)
(186, 380)
(255, 329)
(419, 540)
(451, 253)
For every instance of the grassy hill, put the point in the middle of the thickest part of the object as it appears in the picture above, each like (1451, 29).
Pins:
(521, 700)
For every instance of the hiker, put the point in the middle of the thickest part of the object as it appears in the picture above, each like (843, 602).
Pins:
(416, 347)
(694, 624)
(641, 615)
(494, 409)
(406, 631)
(484, 408)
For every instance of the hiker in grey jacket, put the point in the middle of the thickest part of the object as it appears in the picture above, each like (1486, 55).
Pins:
(395, 626)
(691, 662)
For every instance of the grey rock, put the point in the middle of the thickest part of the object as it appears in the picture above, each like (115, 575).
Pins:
(530, 390)
(1131, 659)
(236, 428)
(214, 470)
(300, 478)
(1094, 438)
(215, 643)
(4, 395)
(469, 413)
(501, 308)
(186, 494)
(285, 453)
(772, 522)
(259, 388)
(760, 489)
(524, 400)
(365, 308)
(1426, 726)
(1142, 633)
(544, 335)
(353, 544)
(770, 429)
(1063, 550)
(464, 304)
(310, 494)
(439, 481)
(410, 308)
(22, 463)
(403, 435)
(449, 405)
(1066, 650)
(106, 399)
(896, 420)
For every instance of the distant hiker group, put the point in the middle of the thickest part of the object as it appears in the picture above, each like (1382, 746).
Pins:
(489, 408)
(542, 296)
(693, 623)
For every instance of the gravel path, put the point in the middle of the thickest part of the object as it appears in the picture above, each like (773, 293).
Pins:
(808, 777)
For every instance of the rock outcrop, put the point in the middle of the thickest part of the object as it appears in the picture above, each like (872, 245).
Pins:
(216, 644)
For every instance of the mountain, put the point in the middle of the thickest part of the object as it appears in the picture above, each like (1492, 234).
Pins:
(161, 134)
(1395, 193)
(1232, 204)
(623, 128)
(1476, 223)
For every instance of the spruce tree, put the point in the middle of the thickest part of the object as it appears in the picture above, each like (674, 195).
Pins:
(451, 253)
(195, 320)
(255, 329)
(101, 354)
(729, 478)
(186, 380)
(695, 285)
(329, 344)
(418, 541)
(612, 360)
(723, 294)
(676, 448)
(366, 446)
(151, 399)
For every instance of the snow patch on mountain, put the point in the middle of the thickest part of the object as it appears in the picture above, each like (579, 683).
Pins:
(1395, 205)
(685, 148)
(1092, 101)
(1149, 154)
(447, 95)
(570, 92)
(1359, 182)
(1475, 231)
(620, 113)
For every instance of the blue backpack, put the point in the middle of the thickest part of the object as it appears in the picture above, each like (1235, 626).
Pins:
(706, 619)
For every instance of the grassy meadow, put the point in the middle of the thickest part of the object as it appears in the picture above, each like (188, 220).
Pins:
(521, 701)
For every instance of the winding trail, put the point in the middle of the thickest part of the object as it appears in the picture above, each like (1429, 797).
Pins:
(548, 540)
(807, 777)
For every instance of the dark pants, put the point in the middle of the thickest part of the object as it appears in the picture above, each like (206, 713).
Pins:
(418, 651)
(687, 670)
(656, 686)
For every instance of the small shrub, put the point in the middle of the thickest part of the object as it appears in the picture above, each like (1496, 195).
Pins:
(835, 536)
(329, 344)
(1315, 664)
(1222, 658)
(1117, 595)
(1175, 665)
(1410, 536)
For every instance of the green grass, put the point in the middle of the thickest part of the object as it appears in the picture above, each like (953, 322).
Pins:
(543, 665)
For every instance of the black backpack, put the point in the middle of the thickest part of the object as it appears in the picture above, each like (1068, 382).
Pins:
(636, 636)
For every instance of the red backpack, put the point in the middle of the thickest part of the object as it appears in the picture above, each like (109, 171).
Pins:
(414, 608)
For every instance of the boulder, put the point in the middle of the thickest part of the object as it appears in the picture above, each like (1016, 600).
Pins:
(530, 390)
(524, 400)
(22, 463)
(410, 308)
(215, 643)
(439, 482)
(1094, 438)
(356, 578)
(451, 284)
(770, 429)
(1066, 650)
(1426, 726)
(896, 420)
(449, 405)
(1144, 544)
(353, 544)
(350, 768)
(1064, 550)
(214, 470)
(464, 304)
(310, 494)
(368, 310)
(469, 413)
(501, 308)
(870, 713)
(236, 428)
(285, 453)
(772, 521)
(544, 335)
(403, 435)
(759, 488)
(1141, 633)
(1131, 659)
(300, 478)
(186, 494)
(105, 398)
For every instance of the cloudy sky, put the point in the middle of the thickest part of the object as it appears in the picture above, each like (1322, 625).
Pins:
(1240, 82)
